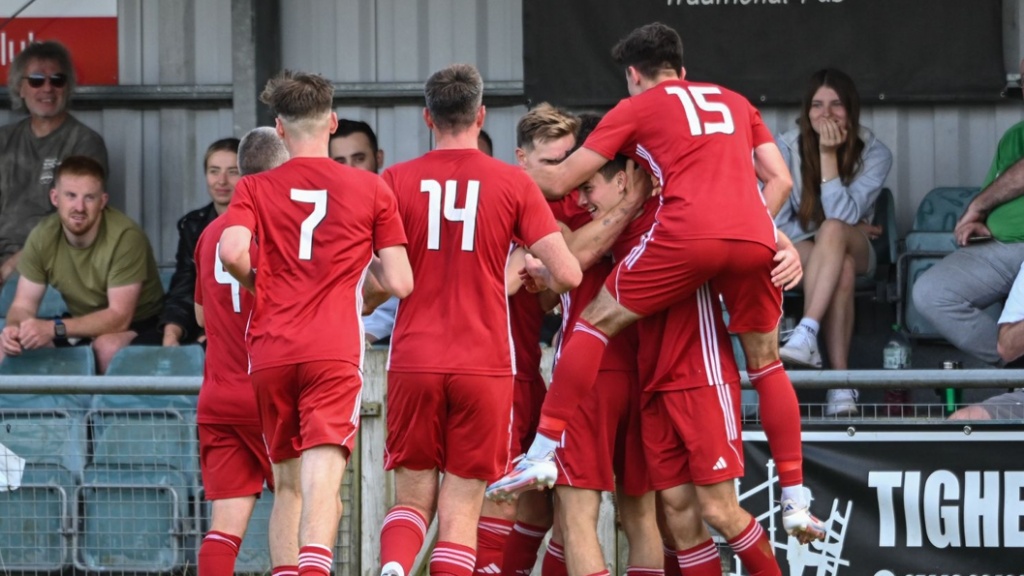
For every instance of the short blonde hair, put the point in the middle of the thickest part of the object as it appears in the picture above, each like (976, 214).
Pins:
(543, 123)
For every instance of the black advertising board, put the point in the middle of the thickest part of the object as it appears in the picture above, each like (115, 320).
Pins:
(918, 500)
(896, 50)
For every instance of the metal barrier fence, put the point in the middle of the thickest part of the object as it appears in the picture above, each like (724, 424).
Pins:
(112, 483)
(115, 487)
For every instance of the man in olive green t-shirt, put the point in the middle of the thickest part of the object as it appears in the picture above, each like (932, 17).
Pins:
(101, 263)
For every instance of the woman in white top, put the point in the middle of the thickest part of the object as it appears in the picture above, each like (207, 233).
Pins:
(838, 170)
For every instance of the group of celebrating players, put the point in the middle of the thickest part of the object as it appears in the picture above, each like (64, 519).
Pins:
(642, 225)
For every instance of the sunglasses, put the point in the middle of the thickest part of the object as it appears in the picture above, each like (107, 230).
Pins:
(56, 80)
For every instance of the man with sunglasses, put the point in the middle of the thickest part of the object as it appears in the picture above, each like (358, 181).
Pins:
(41, 80)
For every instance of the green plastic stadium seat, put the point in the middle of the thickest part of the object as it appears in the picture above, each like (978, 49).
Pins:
(130, 439)
(36, 521)
(45, 437)
(154, 361)
(75, 361)
(158, 361)
(928, 243)
(132, 520)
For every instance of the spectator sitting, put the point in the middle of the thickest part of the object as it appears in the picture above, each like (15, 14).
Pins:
(100, 262)
(42, 80)
(178, 321)
(355, 144)
(953, 294)
(839, 168)
(1009, 406)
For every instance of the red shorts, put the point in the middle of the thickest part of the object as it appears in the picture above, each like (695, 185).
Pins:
(233, 460)
(602, 442)
(693, 436)
(432, 416)
(527, 398)
(658, 274)
(306, 405)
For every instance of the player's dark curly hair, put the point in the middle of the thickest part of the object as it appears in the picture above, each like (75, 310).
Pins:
(650, 49)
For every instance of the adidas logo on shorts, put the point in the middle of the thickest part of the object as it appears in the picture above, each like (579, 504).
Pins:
(720, 465)
(491, 568)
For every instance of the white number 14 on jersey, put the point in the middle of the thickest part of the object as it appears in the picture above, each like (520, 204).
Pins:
(446, 196)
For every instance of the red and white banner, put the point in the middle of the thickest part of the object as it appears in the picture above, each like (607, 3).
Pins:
(87, 28)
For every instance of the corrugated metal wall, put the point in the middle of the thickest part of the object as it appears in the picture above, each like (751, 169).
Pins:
(156, 151)
(403, 41)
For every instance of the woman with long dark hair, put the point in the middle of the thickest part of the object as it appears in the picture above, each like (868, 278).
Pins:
(838, 170)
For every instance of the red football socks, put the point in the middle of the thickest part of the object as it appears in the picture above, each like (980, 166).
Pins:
(315, 560)
(701, 560)
(780, 418)
(521, 549)
(573, 378)
(451, 559)
(217, 554)
(671, 560)
(491, 534)
(284, 571)
(401, 537)
(755, 551)
(554, 561)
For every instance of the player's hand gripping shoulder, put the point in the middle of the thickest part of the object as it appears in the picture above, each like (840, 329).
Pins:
(788, 273)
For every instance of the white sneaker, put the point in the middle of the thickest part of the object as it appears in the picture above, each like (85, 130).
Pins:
(801, 349)
(841, 402)
(799, 523)
(528, 474)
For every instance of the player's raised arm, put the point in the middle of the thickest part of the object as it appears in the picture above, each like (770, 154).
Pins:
(557, 181)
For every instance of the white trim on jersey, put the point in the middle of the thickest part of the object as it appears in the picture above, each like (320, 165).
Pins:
(643, 153)
(563, 334)
(359, 313)
(508, 311)
(638, 250)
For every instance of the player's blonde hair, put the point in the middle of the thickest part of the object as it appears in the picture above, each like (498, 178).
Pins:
(544, 123)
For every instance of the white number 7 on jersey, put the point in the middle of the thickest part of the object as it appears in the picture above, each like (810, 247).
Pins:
(318, 198)
(465, 215)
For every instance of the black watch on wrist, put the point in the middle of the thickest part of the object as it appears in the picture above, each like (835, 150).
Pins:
(60, 330)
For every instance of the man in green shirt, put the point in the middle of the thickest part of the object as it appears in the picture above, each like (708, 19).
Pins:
(101, 263)
(953, 294)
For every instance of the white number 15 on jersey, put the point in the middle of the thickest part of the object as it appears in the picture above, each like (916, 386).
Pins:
(695, 97)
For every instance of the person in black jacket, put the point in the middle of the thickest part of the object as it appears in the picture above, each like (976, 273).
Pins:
(178, 321)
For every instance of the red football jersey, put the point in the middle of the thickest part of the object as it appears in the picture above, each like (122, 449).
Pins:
(621, 353)
(226, 396)
(698, 140)
(461, 209)
(525, 312)
(316, 223)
